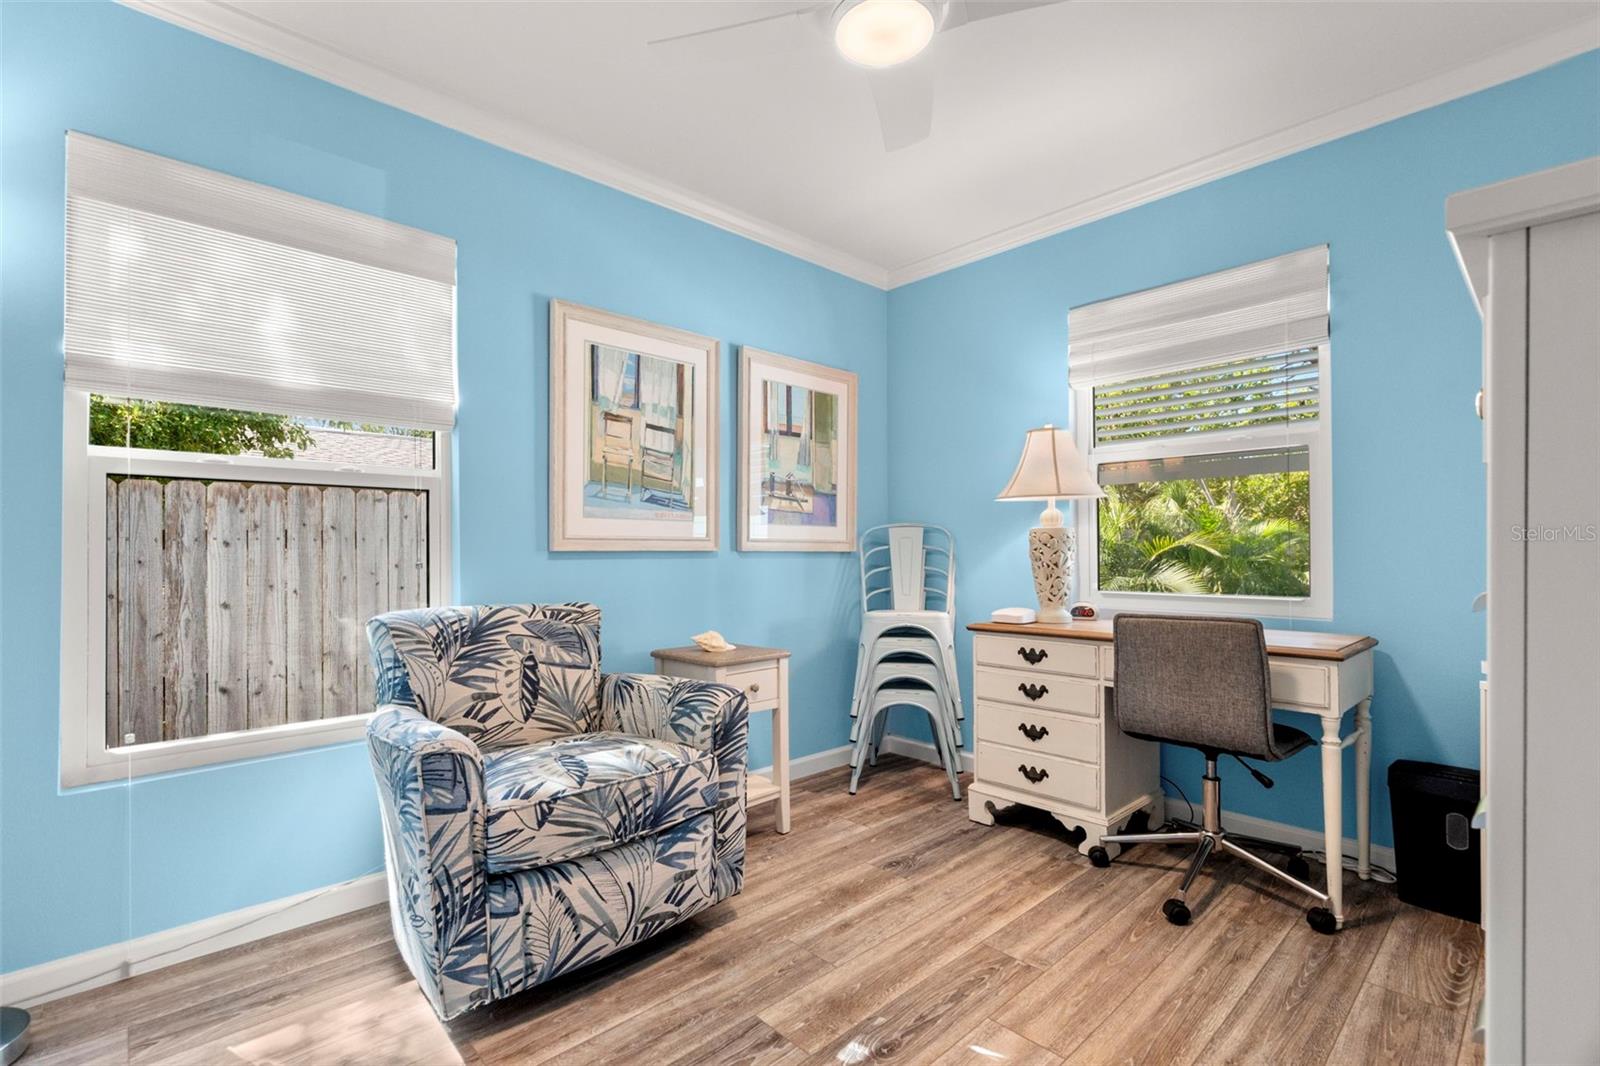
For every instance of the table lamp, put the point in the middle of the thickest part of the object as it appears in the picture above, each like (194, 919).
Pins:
(1050, 469)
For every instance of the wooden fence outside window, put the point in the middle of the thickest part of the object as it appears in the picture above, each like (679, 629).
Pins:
(234, 605)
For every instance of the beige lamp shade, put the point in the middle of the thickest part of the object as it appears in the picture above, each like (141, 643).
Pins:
(1051, 468)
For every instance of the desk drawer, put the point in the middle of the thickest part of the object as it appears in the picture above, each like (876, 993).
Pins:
(1034, 773)
(1046, 691)
(1035, 654)
(1297, 684)
(759, 685)
(1040, 731)
(1108, 662)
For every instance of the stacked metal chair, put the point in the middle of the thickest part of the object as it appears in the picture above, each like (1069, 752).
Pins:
(907, 654)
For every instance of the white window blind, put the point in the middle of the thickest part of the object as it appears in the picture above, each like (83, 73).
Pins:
(1259, 309)
(188, 285)
(1235, 394)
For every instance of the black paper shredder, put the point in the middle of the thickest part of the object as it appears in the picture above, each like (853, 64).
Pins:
(1435, 846)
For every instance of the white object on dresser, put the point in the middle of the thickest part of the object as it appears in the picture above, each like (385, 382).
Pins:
(1017, 616)
(1045, 719)
(763, 675)
(1530, 248)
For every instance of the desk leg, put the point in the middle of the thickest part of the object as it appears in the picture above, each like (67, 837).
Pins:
(780, 745)
(1364, 789)
(1333, 815)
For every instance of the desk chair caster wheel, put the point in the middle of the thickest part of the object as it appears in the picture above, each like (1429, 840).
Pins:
(1299, 869)
(1321, 919)
(1177, 911)
(1099, 857)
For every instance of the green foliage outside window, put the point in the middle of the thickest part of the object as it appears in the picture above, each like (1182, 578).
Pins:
(1242, 536)
(179, 427)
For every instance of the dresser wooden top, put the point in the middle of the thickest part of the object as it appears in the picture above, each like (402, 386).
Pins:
(1288, 643)
(739, 655)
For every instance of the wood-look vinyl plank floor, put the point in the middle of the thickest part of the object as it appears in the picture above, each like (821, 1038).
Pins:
(885, 928)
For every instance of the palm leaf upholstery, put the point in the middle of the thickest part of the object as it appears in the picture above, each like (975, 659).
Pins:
(536, 816)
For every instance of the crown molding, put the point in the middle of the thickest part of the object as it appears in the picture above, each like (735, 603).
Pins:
(223, 22)
(1497, 67)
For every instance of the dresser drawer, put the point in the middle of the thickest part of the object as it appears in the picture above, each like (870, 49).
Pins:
(1034, 773)
(1040, 731)
(1036, 654)
(1029, 689)
(759, 685)
(1293, 683)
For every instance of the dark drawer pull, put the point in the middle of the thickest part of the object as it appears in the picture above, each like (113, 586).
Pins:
(1033, 732)
(1033, 692)
(1034, 656)
(1034, 776)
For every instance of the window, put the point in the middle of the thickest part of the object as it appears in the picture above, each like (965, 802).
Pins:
(1210, 442)
(260, 390)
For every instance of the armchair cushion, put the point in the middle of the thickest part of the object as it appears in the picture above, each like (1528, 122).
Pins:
(500, 676)
(576, 795)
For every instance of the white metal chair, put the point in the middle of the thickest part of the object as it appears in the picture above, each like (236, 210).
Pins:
(904, 696)
(908, 613)
(924, 671)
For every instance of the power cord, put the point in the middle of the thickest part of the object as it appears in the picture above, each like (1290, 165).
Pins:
(1181, 795)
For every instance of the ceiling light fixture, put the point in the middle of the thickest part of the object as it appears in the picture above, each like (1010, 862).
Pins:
(882, 33)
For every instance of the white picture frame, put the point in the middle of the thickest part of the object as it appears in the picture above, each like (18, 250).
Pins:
(633, 434)
(797, 455)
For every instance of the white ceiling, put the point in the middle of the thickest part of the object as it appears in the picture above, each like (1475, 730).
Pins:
(1043, 118)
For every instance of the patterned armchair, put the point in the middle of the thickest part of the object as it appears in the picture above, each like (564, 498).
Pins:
(537, 814)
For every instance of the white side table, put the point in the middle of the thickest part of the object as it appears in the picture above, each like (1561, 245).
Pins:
(763, 675)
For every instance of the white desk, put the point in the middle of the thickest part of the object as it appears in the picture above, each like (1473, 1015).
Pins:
(1046, 732)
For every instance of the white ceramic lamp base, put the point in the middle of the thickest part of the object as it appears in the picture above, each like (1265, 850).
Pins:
(1050, 548)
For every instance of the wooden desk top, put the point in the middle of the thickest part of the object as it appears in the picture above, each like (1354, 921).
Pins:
(738, 656)
(1288, 643)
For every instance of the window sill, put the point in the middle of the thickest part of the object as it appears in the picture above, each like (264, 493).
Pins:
(100, 765)
(1310, 609)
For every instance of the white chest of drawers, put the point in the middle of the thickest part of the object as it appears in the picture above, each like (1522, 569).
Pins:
(1046, 736)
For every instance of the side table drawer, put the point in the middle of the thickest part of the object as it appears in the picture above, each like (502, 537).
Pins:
(759, 685)
(1046, 691)
(1035, 654)
(1041, 731)
(1047, 776)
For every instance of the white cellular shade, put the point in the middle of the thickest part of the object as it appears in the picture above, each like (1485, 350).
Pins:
(188, 285)
(1261, 308)
(1237, 394)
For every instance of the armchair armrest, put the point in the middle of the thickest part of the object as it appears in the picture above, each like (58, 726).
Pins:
(704, 715)
(430, 791)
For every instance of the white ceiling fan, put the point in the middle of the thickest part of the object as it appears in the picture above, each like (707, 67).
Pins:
(879, 36)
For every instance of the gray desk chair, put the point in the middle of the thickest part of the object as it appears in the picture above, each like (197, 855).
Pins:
(1203, 683)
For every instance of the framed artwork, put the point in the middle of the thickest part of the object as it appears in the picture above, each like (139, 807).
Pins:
(797, 455)
(633, 441)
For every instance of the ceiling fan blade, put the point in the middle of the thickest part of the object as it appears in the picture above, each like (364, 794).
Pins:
(780, 31)
(904, 97)
(961, 12)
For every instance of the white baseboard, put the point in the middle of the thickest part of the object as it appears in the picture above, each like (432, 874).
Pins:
(807, 765)
(921, 749)
(1243, 824)
(1267, 829)
(115, 962)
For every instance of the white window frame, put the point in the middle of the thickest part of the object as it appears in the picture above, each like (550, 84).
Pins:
(86, 758)
(1315, 436)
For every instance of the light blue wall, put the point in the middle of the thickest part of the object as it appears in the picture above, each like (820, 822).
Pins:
(977, 355)
(99, 865)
